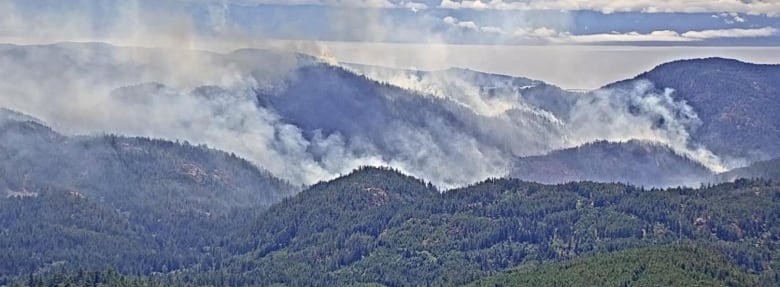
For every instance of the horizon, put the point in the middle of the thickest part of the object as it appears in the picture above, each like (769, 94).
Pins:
(568, 76)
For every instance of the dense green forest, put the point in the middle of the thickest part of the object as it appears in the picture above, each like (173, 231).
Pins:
(685, 264)
(378, 226)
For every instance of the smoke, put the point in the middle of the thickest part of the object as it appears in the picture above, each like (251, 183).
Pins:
(639, 112)
(161, 85)
(148, 88)
(211, 98)
(633, 111)
(204, 100)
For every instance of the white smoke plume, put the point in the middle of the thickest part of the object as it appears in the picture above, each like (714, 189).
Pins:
(637, 111)
(173, 90)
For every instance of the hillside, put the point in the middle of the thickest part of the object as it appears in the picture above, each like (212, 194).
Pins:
(193, 178)
(465, 234)
(156, 198)
(635, 162)
(378, 226)
(415, 130)
(768, 169)
(46, 228)
(736, 102)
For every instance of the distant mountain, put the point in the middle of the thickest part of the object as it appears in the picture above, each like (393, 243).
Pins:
(768, 169)
(737, 103)
(634, 162)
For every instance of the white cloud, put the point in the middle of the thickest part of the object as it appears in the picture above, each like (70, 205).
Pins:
(543, 32)
(769, 7)
(549, 35)
(412, 5)
(469, 25)
(729, 18)
(731, 33)
(655, 36)
(665, 36)
(492, 29)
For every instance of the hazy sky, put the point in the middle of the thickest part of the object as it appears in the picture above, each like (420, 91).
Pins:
(573, 43)
(571, 67)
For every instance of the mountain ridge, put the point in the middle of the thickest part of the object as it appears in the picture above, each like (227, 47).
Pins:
(735, 101)
(636, 162)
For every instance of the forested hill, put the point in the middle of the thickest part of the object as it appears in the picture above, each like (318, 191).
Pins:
(379, 226)
(636, 162)
(138, 204)
(131, 172)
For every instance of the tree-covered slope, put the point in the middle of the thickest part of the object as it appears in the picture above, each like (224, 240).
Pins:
(44, 228)
(673, 265)
(378, 226)
(137, 204)
(305, 239)
(343, 232)
(133, 173)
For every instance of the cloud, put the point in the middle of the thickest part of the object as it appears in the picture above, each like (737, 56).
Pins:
(667, 36)
(655, 36)
(731, 33)
(553, 36)
(470, 25)
(412, 5)
(611, 6)
(729, 18)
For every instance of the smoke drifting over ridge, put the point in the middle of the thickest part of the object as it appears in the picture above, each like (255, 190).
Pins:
(138, 92)
(96, 88)
(638, 111)
(203, 97)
